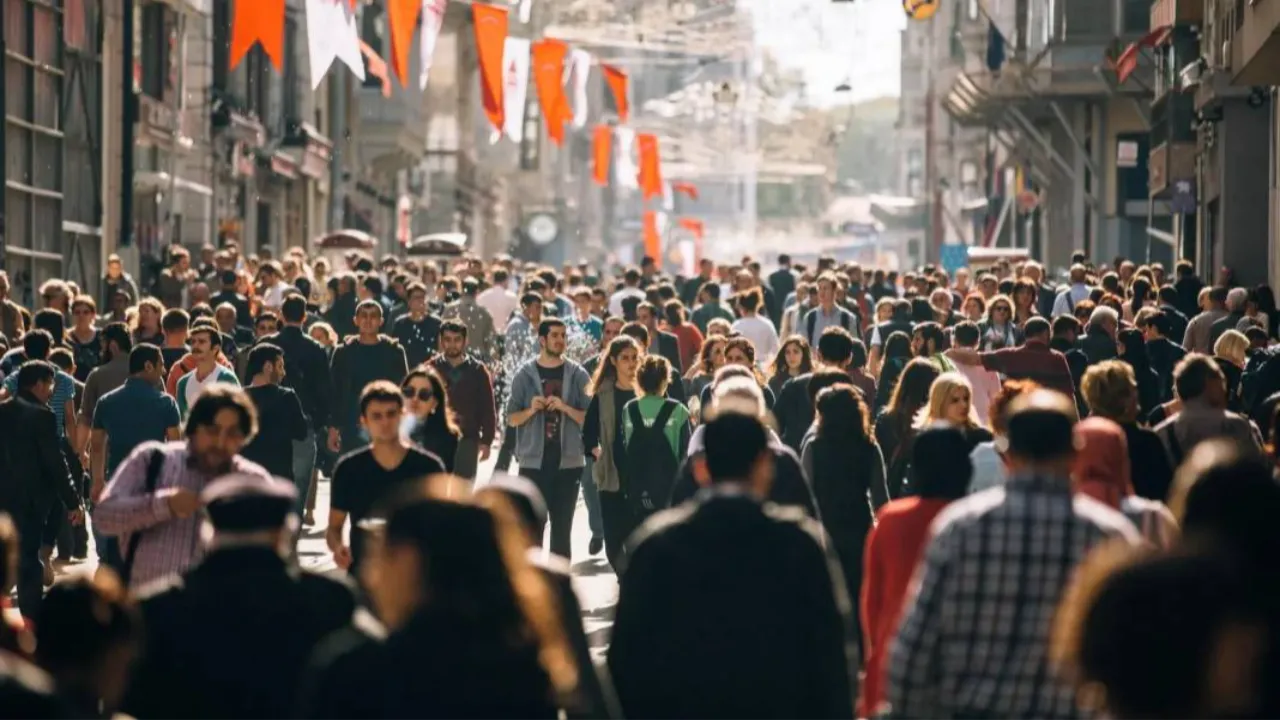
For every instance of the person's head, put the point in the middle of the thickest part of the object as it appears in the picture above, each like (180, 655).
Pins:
(175, 323)
(912, 391)
(631, 277)
(1102, 468)
(711, 357)
(552, 337)
(453, 339)
(749, 301)
(1077, 273)
(205, 344)
(37, 344)
(966, 335)
(974, 307)
(928, 339)
(647, 315)
(836, 347)
(426, 398)
(950, 401)
(740, 351)
(294, 310)
(842, 414)
(620, 361)
(84, 310)
(827, 286)
(998, 410)
(1037, 328)
(116, 340)
(1226, 495)
(941, 467)
(36, 378)
(609, 330)
(88, 637)
(1104, 319)
(673, 311)
(146, 362)
(653, 376)
(637, 332)
(531, 306)
(51, 321)
(524, 498)
(368, 318)
(1194, 652)
(735, 450)
(221, 421)
(1236, 299)
(1232, 347)
(55, 294)
(1198, 378)
(719, 326)
(793, 358)
(1217, 298)
(267, 323)
(381, 409)
(266, 362)
(1039, 435)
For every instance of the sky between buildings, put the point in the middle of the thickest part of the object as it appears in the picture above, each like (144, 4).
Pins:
(858, 41)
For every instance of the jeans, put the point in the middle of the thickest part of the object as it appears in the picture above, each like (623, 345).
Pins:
(467, 459)
(30, 527)
(619, 522)
(304, 465)
(507, 450)
(559, 490)
(591, 496)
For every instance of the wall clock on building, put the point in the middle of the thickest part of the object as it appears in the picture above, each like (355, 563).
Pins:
(542, 228)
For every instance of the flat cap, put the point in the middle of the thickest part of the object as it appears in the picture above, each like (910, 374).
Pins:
(246, 503)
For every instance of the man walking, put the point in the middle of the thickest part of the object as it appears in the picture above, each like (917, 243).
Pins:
(418, 329)
(470, 390)
(34, 476)
(206, 348)
(478, 321)
(827, 313)
(356, 363)
(152, 503)
(547, 406)
(281, 422)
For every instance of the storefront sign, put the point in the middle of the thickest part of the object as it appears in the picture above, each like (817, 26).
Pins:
(156, 120)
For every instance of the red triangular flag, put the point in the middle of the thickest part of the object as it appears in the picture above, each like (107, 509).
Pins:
(687, 188)
(652, 240)
(650, 176)
(548, 75)
(602, 151)
(402, 17)
(258, 21)
(694, 226)
(617, 81)
(491, 39)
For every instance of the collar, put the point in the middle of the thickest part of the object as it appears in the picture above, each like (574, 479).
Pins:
(1036, 482)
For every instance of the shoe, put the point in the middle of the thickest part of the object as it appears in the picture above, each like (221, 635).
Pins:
(596, 545)
(309, 519)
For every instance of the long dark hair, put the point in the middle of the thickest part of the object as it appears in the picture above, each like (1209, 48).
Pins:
(779, 364)
(1140, 289)
(842, 415)
(444, 421)
(607, 370)
(708, 348)
(911, 394)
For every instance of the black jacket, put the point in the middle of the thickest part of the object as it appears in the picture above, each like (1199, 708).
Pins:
(244, 317)
(1164, 355)
(793, 411)
(232, 637)
(306, 369)
(33, 470)
(1152, 474)
(669, 348)
(765, 603)
(1177, 323)
(354, 366)
(783, 282)
(1097, 345)
(790, 486)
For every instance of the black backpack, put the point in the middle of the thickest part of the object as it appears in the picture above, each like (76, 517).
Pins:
(649, 468)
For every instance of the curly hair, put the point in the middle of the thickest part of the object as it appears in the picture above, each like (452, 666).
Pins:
(1111, 390)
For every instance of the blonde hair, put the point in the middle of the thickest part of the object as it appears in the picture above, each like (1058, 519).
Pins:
(1232, 346)
(1111, 391)
(939, 394)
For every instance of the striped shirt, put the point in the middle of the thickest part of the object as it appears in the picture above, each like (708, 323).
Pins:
(974, 641)
(169, 544)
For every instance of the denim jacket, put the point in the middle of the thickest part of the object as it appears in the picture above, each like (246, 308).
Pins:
(529, 436)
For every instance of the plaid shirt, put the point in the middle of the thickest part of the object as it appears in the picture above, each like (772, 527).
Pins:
(169, 544)
(974, 641)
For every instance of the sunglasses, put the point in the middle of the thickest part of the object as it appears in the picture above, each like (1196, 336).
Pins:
(423, 394)
(1000, 308)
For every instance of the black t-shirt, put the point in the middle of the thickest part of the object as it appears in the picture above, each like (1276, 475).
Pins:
(360, 483)
(552, 386)
(280, 422)
(418, 338)
(173, 355)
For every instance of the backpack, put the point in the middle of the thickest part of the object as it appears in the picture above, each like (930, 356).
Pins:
(811, 321)
(649, 468)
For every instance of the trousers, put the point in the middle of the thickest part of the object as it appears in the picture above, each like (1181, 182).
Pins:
(559, 490)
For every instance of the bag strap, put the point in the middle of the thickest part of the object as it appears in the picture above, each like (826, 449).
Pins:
(155, 462)
(664, 415)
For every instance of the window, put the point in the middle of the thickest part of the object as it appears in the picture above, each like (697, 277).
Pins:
(258, 71)
(221, 45)
(292, 83)
(373, 31)
(151, 40)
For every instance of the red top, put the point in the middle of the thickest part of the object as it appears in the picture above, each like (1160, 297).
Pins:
(690, 344)
(894, 548)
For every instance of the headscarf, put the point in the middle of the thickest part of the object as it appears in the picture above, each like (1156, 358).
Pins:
(1102, 468)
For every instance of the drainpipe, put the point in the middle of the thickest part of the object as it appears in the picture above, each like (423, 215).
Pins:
(338, 134)
(129, 113)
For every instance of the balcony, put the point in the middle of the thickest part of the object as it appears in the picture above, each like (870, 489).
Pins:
(1169, 163)
(1256, 49)
(1169, 13)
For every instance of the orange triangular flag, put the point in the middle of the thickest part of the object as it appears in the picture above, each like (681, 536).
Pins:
(617, 81)
(652, 240)
(258, 21)
(353, 3)
(548, 75)
(602, 151)
(687, 188)
(491, 40)
(650, 176)
(402, 17)
(694, 226)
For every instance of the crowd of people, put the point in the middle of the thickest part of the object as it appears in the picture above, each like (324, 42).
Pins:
(825, 491)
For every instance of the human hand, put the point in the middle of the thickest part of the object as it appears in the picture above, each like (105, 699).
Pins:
(555, 403)
(96, 490)
(596, 453)
(184, 503)
(539, 403)
(335, 440)
(342, 556)
(484, 452)
(76, 517)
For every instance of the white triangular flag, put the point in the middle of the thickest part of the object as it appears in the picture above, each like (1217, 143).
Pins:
(526, 10)
(432, 21)
(580, 66)
(668, 198)
(627, 172)
(332, 35)
(515, 79)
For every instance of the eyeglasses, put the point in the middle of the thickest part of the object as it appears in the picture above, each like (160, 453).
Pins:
(423, 394)
(1000, 308)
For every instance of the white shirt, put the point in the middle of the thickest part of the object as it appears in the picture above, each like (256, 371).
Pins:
(615, 302)
(761, 334)
(195, 385)
(500, 303)
(273, 297)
